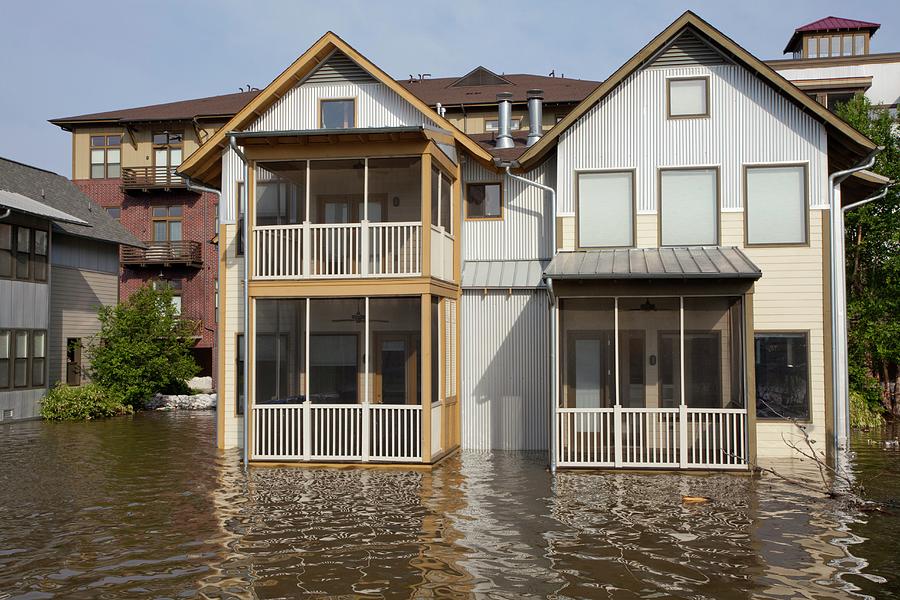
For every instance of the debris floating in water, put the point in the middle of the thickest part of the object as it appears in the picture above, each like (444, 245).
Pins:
(694, 499)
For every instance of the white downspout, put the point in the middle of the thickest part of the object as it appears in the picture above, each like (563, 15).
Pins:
(246, 337)
(839, 377)
(554, 316)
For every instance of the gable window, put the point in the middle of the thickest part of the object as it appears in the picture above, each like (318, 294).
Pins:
(484, 201)
(106, 156)
(338, 114)
(605, 209)
(167, 223)
(775, 204)
(689, 207)
(782, 375)
(168, 149)
(688, 97)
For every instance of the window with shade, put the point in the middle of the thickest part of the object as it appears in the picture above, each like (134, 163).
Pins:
(484, 201)
(689, 207)
(688, 97)
(605, 209)
(776, 205)
(106, 156)
(337, 114)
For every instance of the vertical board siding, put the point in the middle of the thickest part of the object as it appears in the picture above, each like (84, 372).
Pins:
(505, 387)
(376, 106)
(24, 304)
(232, 173)
(524, 231)
(749, 122)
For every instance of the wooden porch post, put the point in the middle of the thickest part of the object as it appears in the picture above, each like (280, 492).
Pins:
(426, 217)
(426, 375)
(750, 377)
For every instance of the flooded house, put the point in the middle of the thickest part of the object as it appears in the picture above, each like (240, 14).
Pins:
(59, 260)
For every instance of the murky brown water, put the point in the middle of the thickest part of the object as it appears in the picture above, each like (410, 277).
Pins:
(144, 507)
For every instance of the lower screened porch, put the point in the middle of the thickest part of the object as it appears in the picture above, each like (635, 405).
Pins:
(353, 380)
(653, 382)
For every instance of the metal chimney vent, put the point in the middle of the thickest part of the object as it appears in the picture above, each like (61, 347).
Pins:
(504, 112)
(535, 115)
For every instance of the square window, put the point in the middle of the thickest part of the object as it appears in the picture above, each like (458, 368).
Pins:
(338, 114)
(688, 97)
(689, 207)
(98, 140)
(605, 209)
(776, 205)
(484, 201)
(782, 375)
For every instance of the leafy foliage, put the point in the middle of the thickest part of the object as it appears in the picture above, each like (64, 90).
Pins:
(64, 403)
(863, 413)
(143, 347)
(873, 264)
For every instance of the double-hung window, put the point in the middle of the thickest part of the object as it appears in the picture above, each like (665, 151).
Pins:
(106, 156)
(23, 252)
(689, 207)
(167, 222)
(23, 358)
(605, 209)
(776, 204)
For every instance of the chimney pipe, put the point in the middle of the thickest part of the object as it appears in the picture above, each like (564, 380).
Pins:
(535, 115)
(504, 111)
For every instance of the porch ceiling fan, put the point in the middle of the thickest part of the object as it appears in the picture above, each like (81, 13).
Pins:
(646, 306)
(358, 317)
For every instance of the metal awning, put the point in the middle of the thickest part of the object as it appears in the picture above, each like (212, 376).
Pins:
(503, 274)
(708, 262)
(24, 204)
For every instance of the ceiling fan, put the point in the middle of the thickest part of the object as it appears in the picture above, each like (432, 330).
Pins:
(358, 317)
(646, 306)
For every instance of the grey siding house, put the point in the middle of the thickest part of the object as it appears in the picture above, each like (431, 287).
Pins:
(59, 259)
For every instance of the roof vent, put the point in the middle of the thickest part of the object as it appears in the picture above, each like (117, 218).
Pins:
(535, 115)
(504, 112)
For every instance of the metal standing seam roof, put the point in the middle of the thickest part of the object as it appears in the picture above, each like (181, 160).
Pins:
(27, 205)
(503, 274)
(707, 262)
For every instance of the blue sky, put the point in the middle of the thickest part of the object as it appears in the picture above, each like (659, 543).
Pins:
(73, 57)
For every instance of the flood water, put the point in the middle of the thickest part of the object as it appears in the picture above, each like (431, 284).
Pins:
(144, 507)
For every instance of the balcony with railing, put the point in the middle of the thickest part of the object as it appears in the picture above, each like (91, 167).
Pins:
(357, 218)
(151, 178)
(182, 252)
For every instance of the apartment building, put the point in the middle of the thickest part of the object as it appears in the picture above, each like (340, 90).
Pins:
(642, 282)
(832, 59)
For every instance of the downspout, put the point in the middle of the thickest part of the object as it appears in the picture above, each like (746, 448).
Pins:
(5, 214)
(840, 383)
(232, 142)
(554, 401)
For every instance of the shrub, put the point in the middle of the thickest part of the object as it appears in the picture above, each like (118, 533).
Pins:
(863, 413)
(65, 403)
(143, 347)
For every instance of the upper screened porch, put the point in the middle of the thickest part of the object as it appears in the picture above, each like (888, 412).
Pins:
(341, 208)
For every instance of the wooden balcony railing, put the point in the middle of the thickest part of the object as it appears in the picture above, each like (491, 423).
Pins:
(164, 253)
(149, 178)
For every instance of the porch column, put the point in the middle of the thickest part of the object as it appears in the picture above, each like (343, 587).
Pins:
(750, 378)
(306, 246)
(617, 407)
(426, 374)
(366, 415)
(365, 250)
(682, 407)
(426, 219)
(307, 404)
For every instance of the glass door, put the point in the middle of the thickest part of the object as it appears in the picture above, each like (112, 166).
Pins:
(395, 369)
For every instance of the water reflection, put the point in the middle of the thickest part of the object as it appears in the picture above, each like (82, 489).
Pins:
(143, 507)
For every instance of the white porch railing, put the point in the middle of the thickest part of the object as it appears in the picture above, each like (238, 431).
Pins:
(441, 253)
(685, 438)
(365, 249)
(436, 427)
(337, 432)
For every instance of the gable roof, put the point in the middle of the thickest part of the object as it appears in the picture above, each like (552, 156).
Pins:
(224, 106)
(480, 76)
(61, 194)
(447, 91)
(846, 145)
(206, 159)
(829, 24)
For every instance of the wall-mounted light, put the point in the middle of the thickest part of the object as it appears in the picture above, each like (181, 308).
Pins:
(396, 201)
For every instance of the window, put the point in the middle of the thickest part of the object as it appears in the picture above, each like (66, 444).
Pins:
(175, 285)
(168, 148)
(835, 99)
(38, 358)
(688, 97)
(484, 201)
(441, 204)
(776, 204)
(494, 124)
(859, 44)
(115, 212)
(106, 156)
(167, 223)
(20, 368)
(689, 207)
(782, 375)
(241, 208)
(605, 209)
(6, 250)
(41, 248)
(338, 114)
(23, 252)
(73, 361)
(5, 352)
(239, 374)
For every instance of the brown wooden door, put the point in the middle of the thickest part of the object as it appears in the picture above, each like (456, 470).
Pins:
(396, 368)
(73, 361)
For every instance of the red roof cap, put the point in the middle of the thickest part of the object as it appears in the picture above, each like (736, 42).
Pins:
(829, 23)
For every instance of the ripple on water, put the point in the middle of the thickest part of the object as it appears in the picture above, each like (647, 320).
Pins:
(144, 507)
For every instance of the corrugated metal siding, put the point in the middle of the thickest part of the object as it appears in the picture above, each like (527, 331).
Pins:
(523, 233)
(749, 123)
(688, 49)
(505, 387)
(654, 263)
(337, 68)
(82, 253)
(232, 173)
(23, 304)
(23, 403)
(376, 106)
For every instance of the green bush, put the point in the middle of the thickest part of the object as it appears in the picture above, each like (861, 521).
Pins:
(65, 403)
(863, 413)
(143, 347)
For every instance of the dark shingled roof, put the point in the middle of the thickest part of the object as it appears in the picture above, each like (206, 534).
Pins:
(709, 262)
(556, 89)
(184, 110)
(60, 193)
